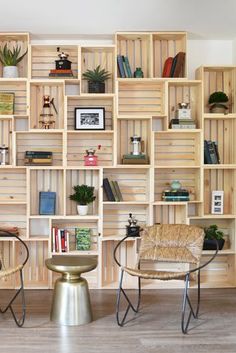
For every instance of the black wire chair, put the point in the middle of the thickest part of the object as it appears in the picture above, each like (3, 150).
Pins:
(156, 247)
(11, 271)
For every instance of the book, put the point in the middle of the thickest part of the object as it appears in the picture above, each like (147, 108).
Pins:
(179, 66)
(38, 161)
(120, 66)
(114, 191)
(211, 148)
(125, 67)
(108, 190)
(38, 153)
(207, 157)
(217, 151)
(60, 75)
(61, 71)
(167, 67)
(7, 103)
(134, 156)
(128, 67)
(173, 66)
(47, 203)
(182, 126)
(135, 160)
(118, 192)
(175, 198)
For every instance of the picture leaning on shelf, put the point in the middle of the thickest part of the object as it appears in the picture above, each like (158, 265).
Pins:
(47, 203)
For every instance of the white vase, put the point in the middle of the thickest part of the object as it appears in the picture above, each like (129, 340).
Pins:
(10, 72)
(82, 210)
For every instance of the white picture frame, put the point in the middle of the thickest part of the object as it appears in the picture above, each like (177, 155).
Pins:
(217, 202)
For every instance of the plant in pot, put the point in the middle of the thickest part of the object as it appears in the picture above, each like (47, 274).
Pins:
(218, 102)
(96, 79)
(9, 59)
(83, 195)
(212, 233)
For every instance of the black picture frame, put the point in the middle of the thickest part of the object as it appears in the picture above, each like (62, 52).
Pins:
(89, 118)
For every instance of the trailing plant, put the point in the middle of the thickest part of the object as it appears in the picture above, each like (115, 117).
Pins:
(10, 57)
(96, 75)
(83, 194)
(218, 97)
(212, 232)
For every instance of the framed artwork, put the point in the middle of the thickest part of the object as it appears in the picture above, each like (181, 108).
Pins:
(217, 202)
(90, 118)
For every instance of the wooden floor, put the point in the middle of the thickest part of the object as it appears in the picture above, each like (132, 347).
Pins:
(155, 329)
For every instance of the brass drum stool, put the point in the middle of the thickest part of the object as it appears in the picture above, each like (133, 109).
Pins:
(71, 300)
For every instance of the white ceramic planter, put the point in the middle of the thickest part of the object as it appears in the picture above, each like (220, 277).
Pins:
(82, 210)
(10, 72)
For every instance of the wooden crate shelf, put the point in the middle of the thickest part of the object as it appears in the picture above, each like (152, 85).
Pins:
(39, 141)
(107, 102)
(43, 59)
(21, 40)
(91, 57)
(78, 142)
(46, 180)
(141, 97)
(190, 179)
(18, 87)
(13, 186)
(14, 215)
(182, 149)
(137, 47)
(79, 177)
(133, 184)
(54, 89)
(6, 126)
(170, 213)
(167, 44)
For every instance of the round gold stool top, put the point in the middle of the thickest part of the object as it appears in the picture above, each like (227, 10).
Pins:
(71, 300)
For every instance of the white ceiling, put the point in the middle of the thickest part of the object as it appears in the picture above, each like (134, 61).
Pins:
(209, 19)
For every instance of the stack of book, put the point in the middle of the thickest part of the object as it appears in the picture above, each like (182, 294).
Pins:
(38, 158)
(60, 73)
(60, 240)
(182, 124)
(174, 67)
(211, 152)
(112, 190)
(124, 66)
(175, 195)
(135, 159)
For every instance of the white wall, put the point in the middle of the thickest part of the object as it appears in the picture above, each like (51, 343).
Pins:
(209, 52)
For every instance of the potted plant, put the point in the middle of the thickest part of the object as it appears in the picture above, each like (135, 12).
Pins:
(212, 233)
(83, 195)
(218, 102)
(9, 59)
(96, 79)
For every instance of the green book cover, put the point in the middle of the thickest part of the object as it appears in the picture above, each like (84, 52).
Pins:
(114, 191)
(7, 103)
(132, 156)
(118, 192)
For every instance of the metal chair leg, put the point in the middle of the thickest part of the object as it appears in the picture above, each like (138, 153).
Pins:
(186, 300)
(19, 321)
(135, 309)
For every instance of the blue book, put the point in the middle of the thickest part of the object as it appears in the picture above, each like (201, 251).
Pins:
(47, 203)
(121, 66)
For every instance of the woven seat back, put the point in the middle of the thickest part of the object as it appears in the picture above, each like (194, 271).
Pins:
(172, 243)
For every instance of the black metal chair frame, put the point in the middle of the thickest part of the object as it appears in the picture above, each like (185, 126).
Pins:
(18, 320)
(186, 303)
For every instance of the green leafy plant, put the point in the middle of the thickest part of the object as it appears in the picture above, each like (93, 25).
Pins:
(212, 232)
(96, 75)
(83, 195)
(10, 57)
(218, 97)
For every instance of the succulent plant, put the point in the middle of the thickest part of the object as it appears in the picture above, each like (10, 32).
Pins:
(10, 57)
(218, 97)
(83, 195)
(96, 75)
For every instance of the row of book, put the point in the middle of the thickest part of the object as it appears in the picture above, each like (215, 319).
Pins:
(211, 152)
(112, 190)
(175, 195)
(60, 240)
(38, 158)
(124, 66)
(174, 67)
(182, 124)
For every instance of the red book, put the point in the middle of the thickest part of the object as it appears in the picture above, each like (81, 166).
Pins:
(167, 67)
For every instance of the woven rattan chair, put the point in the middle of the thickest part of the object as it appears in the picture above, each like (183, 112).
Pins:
(176, 243)
(6, 272)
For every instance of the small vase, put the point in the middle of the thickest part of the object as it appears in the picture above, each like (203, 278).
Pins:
(10, 72)
(175, 185)
(82, 210)
(138, 72)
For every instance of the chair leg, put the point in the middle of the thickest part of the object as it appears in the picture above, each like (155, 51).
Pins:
(19, 321)
(186, 302)
(135, 309)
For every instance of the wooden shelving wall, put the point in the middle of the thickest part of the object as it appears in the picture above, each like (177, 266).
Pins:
(132, 106)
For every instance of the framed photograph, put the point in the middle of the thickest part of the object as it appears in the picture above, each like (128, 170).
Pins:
(217, 202)
(89, 118)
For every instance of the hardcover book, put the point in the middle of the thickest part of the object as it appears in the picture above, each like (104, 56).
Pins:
(7, 103)
(120, 66)
(108, 190)
(167, 67)
(47, 203)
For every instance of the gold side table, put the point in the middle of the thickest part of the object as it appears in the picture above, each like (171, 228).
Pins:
(71, 301)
